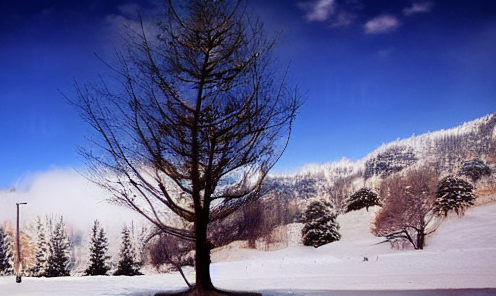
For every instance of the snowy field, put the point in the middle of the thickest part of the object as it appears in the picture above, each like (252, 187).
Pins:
(460, 255)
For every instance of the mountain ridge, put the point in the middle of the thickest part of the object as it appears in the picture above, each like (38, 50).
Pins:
(415, 141)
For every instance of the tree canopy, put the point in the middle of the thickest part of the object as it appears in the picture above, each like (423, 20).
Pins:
(199, 116)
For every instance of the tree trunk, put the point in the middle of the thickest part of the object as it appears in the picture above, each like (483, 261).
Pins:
(202, 256)
(421, 239)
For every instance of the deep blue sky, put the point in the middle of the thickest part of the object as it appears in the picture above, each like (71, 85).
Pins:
(373, 71)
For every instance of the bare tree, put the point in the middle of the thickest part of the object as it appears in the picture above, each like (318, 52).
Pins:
(338, 193)
(169, 249)
(198, 120)
(407, 212)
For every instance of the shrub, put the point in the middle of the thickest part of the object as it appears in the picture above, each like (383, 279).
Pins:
(169, 249)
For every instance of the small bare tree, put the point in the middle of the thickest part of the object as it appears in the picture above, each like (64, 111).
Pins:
(407, 212)
(170, 249)
(198, 121)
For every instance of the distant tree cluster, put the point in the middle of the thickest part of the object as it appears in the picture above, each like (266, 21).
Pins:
(129, 263)
(49, 252)
(391, 161)
(52, 257)
(320, 226)
(461, 144)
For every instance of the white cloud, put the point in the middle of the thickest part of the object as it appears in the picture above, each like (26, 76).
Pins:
(319, 10)
(63, 192)
(418, 8)
(335, 14)
(381, 24)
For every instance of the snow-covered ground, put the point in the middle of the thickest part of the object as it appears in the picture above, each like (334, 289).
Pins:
(461, 254)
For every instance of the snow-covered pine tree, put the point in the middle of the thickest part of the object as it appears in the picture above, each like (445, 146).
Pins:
(453, 194)
(58, 259)
(139, 234)
(320, 227)
(128, 265)
(475, 169)
(363, 198)
(42, 251)
(6, 254)
(98, 249)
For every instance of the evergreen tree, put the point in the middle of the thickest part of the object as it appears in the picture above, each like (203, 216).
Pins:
(321, 227)
(6, 254)
(98, 249)
(475, 169)
(41, 255)
(58, 259)
(363, 198)
(453, 194)
(128, 265)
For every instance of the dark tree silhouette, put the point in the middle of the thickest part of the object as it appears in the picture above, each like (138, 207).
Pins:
(363, 198)
(475, 169)
(320, 225)
(453, 194)
(128, 264)
(58, 259)
(98, 251)
(197, 123)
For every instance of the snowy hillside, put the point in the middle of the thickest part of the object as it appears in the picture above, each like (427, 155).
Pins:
(461, 254)
(445, 149)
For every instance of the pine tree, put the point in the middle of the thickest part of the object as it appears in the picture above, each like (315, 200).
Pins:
(128, 265)
(98, 249)
(363, 198)
(453, 194)
(58, 260)
(41, 255)
(321, 227)
(6, 254)
(475, 169)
